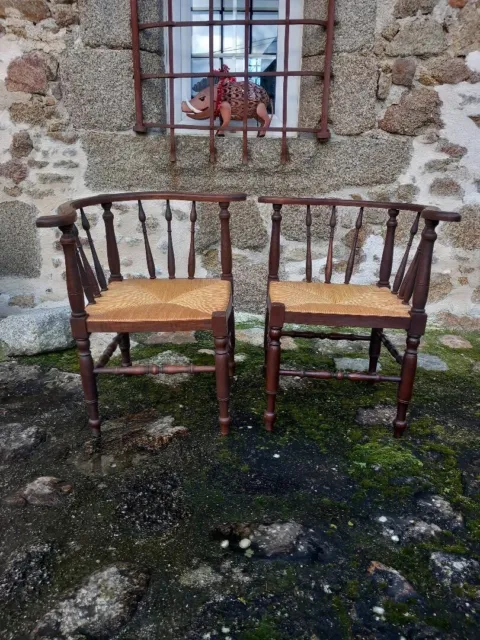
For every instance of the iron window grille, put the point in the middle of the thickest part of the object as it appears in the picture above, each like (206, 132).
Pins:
(213, 74)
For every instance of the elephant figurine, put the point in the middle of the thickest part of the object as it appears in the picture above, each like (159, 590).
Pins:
(229, 104)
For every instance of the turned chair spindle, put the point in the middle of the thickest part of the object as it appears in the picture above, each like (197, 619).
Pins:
(191, 253)
(112, 247)
(96, 262)
(403, 265)
(353, 252)
(171, 253)
(389, 246)
(329, 264)
(308, 267)
(148, 252)
(406, 288)
(89, 283)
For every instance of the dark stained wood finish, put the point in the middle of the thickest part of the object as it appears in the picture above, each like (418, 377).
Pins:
(80, 282)
(112, 248)
(320, 335)
(225, 242)
(391, 348)
(339, 375)
(96, 262)
(408, 283)
(405, 389)
(329, 264)
(387, 257)
(74, 283)
(87, 269)
(148, 252)
(277, 315)
(87, 289)
(375, 349)
(155, 370)
(308, 267)
(124, 344)
(191, 253)
(422, 281)
(274, 258)
(171, 254)
(222, 357)
(89, 384)
(353, 252)
(403, 265)
(416, 282)
(108, 353)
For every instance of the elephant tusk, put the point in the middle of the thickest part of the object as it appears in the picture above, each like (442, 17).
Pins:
(192, 108)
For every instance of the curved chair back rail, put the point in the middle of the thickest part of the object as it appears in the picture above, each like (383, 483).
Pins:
(346, 305)
(93, 280)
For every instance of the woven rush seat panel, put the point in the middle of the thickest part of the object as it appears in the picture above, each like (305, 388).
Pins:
(176, 300)
(337, 299)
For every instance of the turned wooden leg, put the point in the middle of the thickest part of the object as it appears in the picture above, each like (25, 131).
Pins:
(375, 349)
(89, 384)
(220, 335)
(231, 344)
(124, 345)
(265, 336)
(405, 388)
(272, 375)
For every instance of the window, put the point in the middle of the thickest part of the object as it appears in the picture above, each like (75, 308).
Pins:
(216, 46)
(229, 41)
(265, 53)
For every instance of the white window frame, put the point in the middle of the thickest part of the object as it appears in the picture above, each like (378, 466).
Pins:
(182, 39)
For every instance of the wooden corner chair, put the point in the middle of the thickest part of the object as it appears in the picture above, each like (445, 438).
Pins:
(125, 306)
(377, 307)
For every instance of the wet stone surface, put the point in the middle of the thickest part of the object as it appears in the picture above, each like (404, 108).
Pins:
(26, 570)
(277, 540)
(99, 608)
(327, 528)
(150, 506)
(45, 491)
(17, 440)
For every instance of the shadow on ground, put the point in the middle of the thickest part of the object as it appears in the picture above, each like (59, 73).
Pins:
(327, 528)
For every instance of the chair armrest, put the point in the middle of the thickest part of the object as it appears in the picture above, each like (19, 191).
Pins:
(434, 213)
(65, 216)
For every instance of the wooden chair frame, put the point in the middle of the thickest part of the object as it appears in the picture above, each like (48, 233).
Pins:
(83, 282)
(412, 283)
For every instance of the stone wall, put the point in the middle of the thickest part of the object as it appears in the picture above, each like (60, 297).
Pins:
(405, 115)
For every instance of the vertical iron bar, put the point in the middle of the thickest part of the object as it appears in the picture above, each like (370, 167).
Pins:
(324, 132)
(211, 34)
(137, 69)
(245, 87)
(171, 83)
(285, 81)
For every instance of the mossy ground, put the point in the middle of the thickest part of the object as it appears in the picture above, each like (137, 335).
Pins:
(332, 475)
